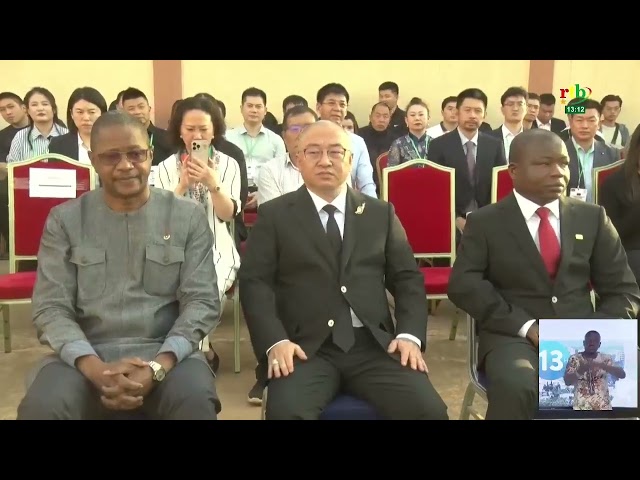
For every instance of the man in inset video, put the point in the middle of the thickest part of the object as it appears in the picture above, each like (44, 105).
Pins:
(589, 372)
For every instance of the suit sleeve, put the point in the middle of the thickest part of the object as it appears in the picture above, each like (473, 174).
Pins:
(612, 279)
(471, 291)
(405, 282)
(257, 277)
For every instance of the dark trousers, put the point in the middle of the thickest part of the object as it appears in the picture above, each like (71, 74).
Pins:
(512, 377)
(367, 372)
(61, 392)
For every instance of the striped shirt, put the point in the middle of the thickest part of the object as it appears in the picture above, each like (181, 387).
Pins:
(225, 255)
(22, 150)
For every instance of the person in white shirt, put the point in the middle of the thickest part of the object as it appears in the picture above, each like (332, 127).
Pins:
(449, 118)
(216, 185)
(614, 133)
(257, 142)
(513, 107)
(281, 175)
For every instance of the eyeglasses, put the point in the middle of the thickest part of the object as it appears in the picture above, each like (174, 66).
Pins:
(132, 156)
(297, 128)
(335, 154)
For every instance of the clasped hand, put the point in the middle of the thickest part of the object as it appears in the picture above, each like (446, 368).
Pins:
(198, 171)
(124, 384)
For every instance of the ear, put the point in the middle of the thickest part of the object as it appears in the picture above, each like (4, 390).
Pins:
(318, 108)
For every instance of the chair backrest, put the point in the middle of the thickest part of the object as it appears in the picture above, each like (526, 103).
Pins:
(35, 187)
(600, 174)
(501, 183)
(381, 163)
(423, 195)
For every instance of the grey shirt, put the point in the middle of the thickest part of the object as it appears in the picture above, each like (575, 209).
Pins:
(126, 284)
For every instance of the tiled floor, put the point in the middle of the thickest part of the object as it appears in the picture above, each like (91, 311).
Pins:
(446, 360)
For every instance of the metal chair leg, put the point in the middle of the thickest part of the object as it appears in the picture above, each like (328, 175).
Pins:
(454, 327)
(6, 317)
(467, 402)
(236, 329)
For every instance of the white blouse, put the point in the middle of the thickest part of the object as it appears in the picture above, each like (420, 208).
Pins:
(225, 254)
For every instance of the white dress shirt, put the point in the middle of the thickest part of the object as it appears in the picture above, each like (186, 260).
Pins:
(507, 138)
(83, 152)
(528, 209)
(340, 202)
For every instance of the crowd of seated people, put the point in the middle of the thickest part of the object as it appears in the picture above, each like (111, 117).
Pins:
(317, 164)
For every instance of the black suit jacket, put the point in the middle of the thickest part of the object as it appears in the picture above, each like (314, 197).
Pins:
(447, 150)
(499, 277)
(66, 144)
(288, 274)
(162, 148)
(557, 125)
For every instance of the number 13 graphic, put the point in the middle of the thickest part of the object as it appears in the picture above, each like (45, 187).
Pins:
(552, 359)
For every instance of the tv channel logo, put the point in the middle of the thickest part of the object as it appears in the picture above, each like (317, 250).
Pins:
(575, 92)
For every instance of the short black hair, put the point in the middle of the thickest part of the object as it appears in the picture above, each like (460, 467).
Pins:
(113, 119)
(332, 89)
(133, 93)
(474, 93)
(393, 86)
(295, 111)
(514, 92)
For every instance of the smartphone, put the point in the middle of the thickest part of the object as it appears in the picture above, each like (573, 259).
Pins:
(200, 150)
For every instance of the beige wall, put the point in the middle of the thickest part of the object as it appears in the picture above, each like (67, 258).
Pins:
(61, 77)
(604, 77)
(432, 80)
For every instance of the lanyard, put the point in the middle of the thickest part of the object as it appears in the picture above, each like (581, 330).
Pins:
(415, 147)
(151, 140)
(253, 145)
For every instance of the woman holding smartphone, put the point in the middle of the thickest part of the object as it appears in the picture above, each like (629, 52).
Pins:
(207, 176)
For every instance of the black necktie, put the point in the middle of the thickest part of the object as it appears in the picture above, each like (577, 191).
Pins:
(342, 329)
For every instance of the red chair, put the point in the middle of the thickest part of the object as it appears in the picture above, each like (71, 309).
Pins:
(27, 217)
(250, 217)
(423, 194)
(381, 163)
(501, 183)
(600, 174)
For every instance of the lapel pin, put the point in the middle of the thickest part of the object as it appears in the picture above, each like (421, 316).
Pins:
(579, 236)
(360, 209)
(167, 237)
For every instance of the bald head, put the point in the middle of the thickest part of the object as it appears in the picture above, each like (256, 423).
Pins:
(324, 128)
(530, 141)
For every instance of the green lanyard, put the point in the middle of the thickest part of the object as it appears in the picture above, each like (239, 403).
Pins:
(415, 147)
(151, 140)
(253, 145)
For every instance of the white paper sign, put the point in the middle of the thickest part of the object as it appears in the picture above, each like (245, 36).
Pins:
(52, 183)
(152, 176)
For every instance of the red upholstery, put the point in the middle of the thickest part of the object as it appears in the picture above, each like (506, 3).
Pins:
(30, 214)
(436, 279)
(604, 174)
(17, 286)
(250, 217)
(422, 200)
(504, 184)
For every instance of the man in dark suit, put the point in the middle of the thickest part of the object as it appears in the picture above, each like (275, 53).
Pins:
(312, 285)
(545, 119)
(472, 153)
(531, 256)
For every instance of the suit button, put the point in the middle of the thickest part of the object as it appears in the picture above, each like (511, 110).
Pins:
(343, 289)
(554, 299)
(331, 323)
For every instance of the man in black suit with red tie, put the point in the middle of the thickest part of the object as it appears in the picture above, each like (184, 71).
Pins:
(312, 285)
(471, 152)
(533, 255)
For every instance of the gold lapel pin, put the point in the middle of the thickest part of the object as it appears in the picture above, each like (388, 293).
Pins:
(167, 237)
(360, 209)
(579, 236)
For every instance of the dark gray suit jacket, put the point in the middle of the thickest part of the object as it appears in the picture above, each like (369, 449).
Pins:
(499, 277)
(289, 276)
(603, 155)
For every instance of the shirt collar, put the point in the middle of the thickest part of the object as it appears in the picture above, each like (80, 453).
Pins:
(289, 163)
(507, 133)
(529, 208)
(242, 129)
(464, 139)
(340, 202)
(578, 147)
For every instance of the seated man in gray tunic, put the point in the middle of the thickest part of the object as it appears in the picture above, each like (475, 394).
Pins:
(126, 290)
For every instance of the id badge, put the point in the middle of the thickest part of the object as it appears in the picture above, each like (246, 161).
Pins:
(578, 194)
(152, 176)
(250, 174)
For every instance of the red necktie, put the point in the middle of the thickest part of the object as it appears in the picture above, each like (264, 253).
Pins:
(549, 244)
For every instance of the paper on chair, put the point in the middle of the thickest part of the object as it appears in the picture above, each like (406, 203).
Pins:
(52, 183)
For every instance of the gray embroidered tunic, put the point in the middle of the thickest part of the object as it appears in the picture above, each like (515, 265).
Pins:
(126, 284)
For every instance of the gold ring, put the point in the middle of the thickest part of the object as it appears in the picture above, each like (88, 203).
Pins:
(275, 362)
